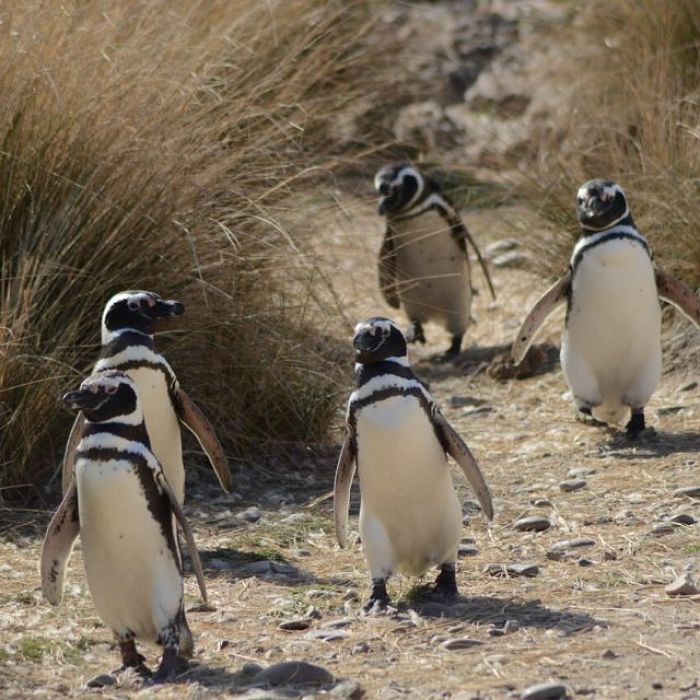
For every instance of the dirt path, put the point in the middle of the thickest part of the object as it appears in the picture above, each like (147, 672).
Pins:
(596, 618)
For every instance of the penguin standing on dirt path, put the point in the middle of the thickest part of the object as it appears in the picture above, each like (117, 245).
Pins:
(410, 517)
(423, 260)
(129, 321)
(611, 349)
(125, 511)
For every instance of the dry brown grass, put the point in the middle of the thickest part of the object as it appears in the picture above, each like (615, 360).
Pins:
(634, 118)
(157, 146)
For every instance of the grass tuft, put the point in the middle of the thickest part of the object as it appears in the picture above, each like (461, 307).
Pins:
(161, 146)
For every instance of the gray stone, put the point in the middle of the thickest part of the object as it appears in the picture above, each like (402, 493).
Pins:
(542, 502)
(585, 562)
(533, 523)
(220, 565)
(572, 484)
(313, 612)
(683, 585)
(663, 528)
(266, 567)
(508, 627)
(360, 648)
(337, 623)
(296, 625)
(351, 594)
(513, 259)
(574, 543)
(295, 673)
(506, 570)
(689, 387)
(329, 635)
(460, 643)
(579, 472)
(347, 690)
(691, 491)
(252, 514)
(104, 680)
(683, 519)
(505, 245)
(467, 550)
(545, 691)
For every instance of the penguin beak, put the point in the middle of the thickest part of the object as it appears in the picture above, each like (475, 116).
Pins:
(82, 399)
(364, 344)
(164, 313)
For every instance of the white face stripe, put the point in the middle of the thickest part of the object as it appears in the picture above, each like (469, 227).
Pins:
(384, 324)
(609, 192)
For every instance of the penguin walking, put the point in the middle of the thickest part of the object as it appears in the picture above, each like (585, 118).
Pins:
(125, 511)
(410, 516)
(423, 260)
(129, 322)
(611, 348)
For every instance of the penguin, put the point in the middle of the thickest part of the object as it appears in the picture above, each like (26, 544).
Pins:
(423, 260)
(396, 436)
(611, 347)
(129, 322)
(125, 511)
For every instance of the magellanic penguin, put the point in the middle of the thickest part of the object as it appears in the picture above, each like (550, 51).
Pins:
(611, 349)
(125, 511)
(410, 516)
(423, 260)
(129, 321)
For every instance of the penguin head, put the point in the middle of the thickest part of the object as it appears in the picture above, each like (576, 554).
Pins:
(107, 396)
(378, 339)
(398, 186)
(601, 204)
(138, 311)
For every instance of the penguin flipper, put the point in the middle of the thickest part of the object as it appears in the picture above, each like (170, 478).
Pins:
(344, 473)
(198, 424)
(679, 294)
(76, 434)
(544, 306)
(187, 532)
(458, 450)
(461, 232)
(387, 271)
(58, 545)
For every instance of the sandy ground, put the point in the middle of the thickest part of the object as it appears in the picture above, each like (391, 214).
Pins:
(595, 618)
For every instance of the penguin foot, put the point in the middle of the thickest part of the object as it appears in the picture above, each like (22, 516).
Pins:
(415, 333)
(168, 666)
(379, 599)
(132, 659)
(636, 424)
(454, 349)
(446, 583)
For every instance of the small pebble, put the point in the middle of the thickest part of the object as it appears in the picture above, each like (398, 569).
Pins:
(579, 473)
(585, 562)
(542, 502)
(460, 643)
(513, 259)
(683, 585)
(507, 627)
(327, 635)
(609, 654)
(689, 387)
(351, 594)
(545, 691)
(360, 648)
(572, 544)
(663, 529)
(301, 623)
(503, 570)
(533, 523)
(572, 484)
(338, 623)
(293, 673)
(102, 681)
(683, 519)
(313, 612)
(252, 514)
(347, 690)
(691, 491)
(467, 550)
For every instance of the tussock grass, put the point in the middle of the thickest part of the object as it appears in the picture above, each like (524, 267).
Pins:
(634, 118)
(159, 146)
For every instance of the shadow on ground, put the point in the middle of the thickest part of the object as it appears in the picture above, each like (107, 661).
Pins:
(495, 611)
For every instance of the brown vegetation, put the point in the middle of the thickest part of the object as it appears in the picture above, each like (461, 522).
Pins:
(154, 146)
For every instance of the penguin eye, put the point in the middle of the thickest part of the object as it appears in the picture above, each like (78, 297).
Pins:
(385, 332)
(111, 389)
(134, 304)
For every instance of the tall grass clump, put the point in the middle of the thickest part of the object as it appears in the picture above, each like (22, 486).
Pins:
(157, 146)
(634, 117)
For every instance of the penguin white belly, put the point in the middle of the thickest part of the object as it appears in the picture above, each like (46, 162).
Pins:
(611, 351)
(410, 517)
(132, 574)
(433, 273)
(162, 425)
